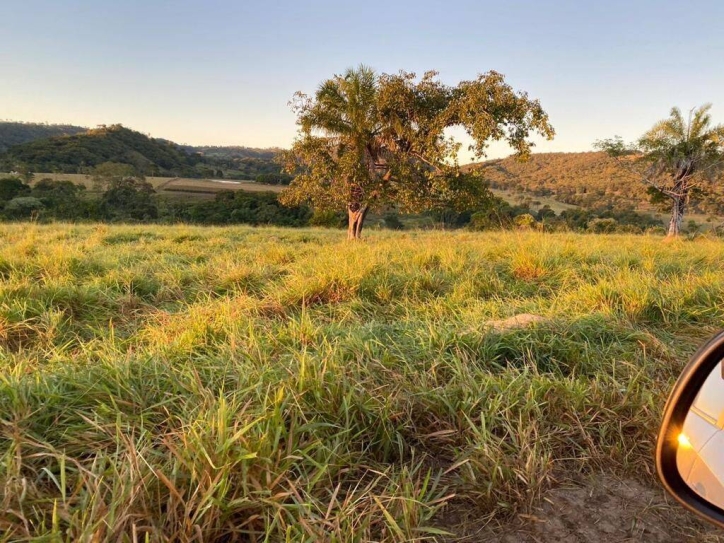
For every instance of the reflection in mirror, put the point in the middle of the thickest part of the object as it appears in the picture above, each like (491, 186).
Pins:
(700, 454)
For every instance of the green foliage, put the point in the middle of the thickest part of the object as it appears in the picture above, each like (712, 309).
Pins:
(80, 153)
(128, 199)
(220, 384)
(23, 207)
(602, 226)
(274, 178)
(109, 173)
(367, 141)
(241, 163)
(64, 200)
(12, 187)
(229, 207)
(525, 221)
(392, 221)
(327, 218)
(544, 213)
(15, 133)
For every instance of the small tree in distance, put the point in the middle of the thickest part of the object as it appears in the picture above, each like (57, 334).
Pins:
(371, 141)
(675, 157)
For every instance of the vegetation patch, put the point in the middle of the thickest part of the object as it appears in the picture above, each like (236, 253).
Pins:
(235, 383)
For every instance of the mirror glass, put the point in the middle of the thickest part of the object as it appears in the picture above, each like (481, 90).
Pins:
(700, 453)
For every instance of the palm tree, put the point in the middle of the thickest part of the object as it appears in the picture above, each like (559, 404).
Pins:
(681, 154)
(345, 112)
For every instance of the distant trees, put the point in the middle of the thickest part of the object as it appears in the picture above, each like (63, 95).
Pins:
(274, 178)
(23, 207)
(63, 199)
(675, 157)
(15, 133)
(12, 187)
(371, 141)
(129, 198)
(229, 207)
(108, 173)
(79, 153)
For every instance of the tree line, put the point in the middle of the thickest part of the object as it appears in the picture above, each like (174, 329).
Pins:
(121, 197)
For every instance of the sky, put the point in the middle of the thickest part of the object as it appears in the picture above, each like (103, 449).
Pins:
(222, 72)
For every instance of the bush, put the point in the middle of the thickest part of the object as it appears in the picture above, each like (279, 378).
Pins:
(24, 207)
(526, 221)
(602, 226)
(327, 219)
(12, 187)
(393, 222)
(129, 199)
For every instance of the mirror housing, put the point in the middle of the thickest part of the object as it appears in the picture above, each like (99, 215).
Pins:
(673, 444)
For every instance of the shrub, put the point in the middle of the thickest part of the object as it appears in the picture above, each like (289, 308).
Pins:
(393, 222)
(602, 226)
(526, 221)
(24, 207)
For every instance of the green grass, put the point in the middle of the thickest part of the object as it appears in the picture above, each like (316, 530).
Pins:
(240, 384)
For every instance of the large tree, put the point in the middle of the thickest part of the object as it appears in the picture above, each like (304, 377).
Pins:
(676, 157)
(374, 141)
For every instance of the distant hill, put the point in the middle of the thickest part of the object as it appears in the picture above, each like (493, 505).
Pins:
(15, 133)
(243, 162)
(70, 149)
(80, 152)
(590, 180)
(234, 151)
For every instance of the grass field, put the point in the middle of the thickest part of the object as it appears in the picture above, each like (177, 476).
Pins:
(241, 384)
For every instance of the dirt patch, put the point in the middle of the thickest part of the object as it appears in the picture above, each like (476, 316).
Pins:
(597, 509)
(516, 321)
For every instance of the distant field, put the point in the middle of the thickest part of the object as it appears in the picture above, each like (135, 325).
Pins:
(514, 198)
(257, 384)
(213, 186)
(175, 185)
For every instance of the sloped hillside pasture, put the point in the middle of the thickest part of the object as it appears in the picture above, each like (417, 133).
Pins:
(241, 384)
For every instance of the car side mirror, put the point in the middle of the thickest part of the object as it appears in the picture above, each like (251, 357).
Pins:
(690, 447)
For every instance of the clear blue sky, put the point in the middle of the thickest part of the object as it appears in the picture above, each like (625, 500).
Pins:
(221, 71)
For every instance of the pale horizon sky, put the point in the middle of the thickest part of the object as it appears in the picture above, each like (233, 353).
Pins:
(221, 72)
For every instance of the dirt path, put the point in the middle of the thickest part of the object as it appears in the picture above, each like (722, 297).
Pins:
(601, 509)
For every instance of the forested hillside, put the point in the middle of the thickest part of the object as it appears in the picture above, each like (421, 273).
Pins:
(591, 180)
(14, 133)
(81, 152)
(244, 162)
(70, 149)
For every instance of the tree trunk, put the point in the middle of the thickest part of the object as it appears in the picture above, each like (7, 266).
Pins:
(677, 217)
(356, 216)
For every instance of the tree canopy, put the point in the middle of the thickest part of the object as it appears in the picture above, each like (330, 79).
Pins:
(372, 141)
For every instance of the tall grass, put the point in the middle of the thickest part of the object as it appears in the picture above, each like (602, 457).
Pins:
(239, 384)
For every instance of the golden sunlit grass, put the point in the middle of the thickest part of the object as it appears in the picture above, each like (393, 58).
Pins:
(240, 384)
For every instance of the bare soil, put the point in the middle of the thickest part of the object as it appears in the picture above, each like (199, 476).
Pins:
(600, 508)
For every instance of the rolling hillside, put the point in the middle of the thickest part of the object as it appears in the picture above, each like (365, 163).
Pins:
(590, 180)
(73, 150)
(244, 162)
(16, 133)
(74, 153)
